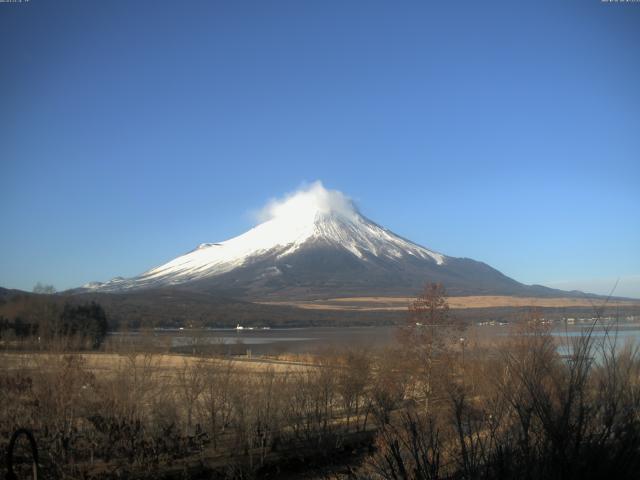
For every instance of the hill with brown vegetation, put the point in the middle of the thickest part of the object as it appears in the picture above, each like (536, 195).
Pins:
(173, 307)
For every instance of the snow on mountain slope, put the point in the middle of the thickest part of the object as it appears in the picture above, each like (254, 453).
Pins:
(315, 244)
(307, 217)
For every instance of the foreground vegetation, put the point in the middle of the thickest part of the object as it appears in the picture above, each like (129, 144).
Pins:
(437, 406)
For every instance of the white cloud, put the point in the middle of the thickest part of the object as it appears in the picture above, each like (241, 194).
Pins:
(308, 200)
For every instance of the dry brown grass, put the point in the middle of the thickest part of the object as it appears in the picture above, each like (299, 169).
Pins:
(164, 363)
(489, 301)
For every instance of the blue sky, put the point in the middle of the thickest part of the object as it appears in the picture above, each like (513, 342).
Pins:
(508, 132)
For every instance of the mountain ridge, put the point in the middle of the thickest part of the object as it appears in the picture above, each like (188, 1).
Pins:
(317, 244)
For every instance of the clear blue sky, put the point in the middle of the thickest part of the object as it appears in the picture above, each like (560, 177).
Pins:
(508, 132)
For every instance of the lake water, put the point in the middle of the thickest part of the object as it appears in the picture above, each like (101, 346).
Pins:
(313, 339)
(277, 340)
(603, 339)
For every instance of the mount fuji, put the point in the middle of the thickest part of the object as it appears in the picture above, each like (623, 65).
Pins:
(314, 244)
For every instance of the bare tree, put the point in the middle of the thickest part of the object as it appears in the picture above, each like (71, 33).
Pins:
(191, 383)
(217, 406)
(427, 335)
(44, 289)
(389, 386)
(352, 380)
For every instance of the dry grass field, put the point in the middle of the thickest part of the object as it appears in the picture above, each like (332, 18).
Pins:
(492, 301)
(164, 364)
(146, 413)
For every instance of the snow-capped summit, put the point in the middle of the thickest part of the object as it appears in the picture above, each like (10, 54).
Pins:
(313, 242)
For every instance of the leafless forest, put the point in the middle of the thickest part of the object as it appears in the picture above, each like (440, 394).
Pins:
(438, 405)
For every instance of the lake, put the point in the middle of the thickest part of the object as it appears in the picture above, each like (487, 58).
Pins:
(313, 339)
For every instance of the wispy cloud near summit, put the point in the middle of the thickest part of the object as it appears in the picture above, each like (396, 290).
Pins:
(307, 200)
